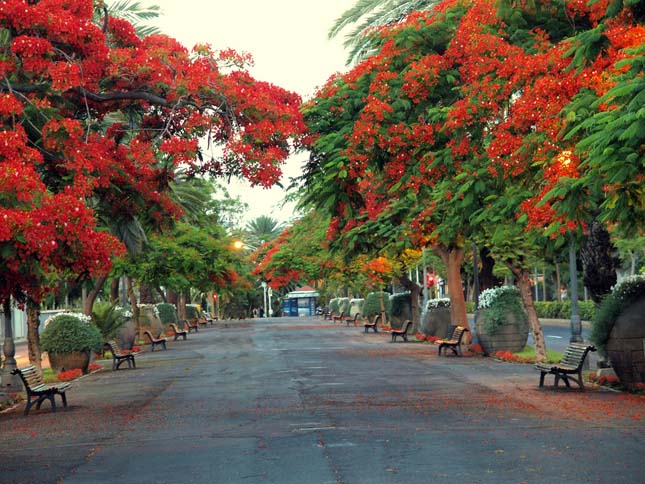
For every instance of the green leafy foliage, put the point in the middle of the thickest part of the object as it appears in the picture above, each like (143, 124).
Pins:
(109, 318)
(67, 333)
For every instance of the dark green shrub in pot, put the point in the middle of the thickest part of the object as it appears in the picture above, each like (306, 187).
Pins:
(618, 330)
(401, 308)
(372, 304)
(69, 339)
(504, 324)
(192, 312)
(334, 306)
(167, 313)
(343, 305)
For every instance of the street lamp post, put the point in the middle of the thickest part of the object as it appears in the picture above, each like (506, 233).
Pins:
(576, 325)
(264, 298)
(475, 290)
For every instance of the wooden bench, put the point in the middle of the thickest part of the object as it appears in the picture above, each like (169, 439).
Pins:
(352, 319)
(154, 342)
(338, 317)
(454, 342)
(37, 390)
(178, 332)
(119, 356)
(373, 325)
(403, 332)
(570, 365)
(191, 325)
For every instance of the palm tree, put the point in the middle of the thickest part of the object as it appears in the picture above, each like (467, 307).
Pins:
(132, 11)
(262, 229)
(367, 15)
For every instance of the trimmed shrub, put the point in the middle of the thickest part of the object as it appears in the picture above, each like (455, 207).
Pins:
(622, 295)
(167, 313)
(192, 311)
(400, 302)
(67, 333)
(334, 306)
(343, 304)
(372, 304)
(498, 302)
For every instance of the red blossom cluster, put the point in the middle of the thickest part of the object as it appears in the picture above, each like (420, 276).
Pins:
(70, 375)
(512, 357)
(64, 160)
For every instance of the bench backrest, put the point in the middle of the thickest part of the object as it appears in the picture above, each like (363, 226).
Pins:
(30, 376)
(114, 348)
(406, 328)
(575, 354)
(176, 329)
(149, 335)
(458, 333)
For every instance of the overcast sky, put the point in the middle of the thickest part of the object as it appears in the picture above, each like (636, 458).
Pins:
(289, 44)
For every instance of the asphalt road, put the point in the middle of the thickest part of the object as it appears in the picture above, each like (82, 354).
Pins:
(303, 401)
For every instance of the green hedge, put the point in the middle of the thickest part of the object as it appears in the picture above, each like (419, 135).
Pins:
(167, 313)
(334, 306)
(399, 303)
(372, 304)
(555, 309)
(192, 311)
(562, 310)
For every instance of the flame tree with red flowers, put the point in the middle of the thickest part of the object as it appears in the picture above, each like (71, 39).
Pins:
(297, 254)
(65, 81)
(452, 131)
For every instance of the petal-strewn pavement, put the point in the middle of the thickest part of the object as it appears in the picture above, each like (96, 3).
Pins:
(301, 400)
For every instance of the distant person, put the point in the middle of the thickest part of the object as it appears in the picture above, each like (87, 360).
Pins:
(563, 293)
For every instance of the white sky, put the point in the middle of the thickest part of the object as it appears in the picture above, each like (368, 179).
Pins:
(289, 44)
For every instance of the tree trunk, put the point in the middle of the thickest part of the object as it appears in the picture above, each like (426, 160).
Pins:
(88, 302)
(558, 282)
(33, 337)
(135, 307)
(145, 294)
(452, 259)
(114, 289)
(486, 277)
(415, 292)
(523, 277)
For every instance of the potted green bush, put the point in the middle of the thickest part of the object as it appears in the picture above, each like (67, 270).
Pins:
(618, 330)
(502, 323)
(69, 340)
(400, 308)
(375, 304)
(436, 318)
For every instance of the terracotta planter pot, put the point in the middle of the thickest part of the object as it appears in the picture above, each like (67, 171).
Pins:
(127, 335)
(509, 337)
(70, 361)
(436, 322)
(626, 345)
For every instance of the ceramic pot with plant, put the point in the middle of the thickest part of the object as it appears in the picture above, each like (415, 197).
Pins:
(618, 330)
(69, 340)
(502, 323)
(436, 318)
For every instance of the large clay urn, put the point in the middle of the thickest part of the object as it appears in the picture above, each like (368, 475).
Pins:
(149, 319)
(511, 336)
(626, 345)
(70, 361)
(436, 322)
